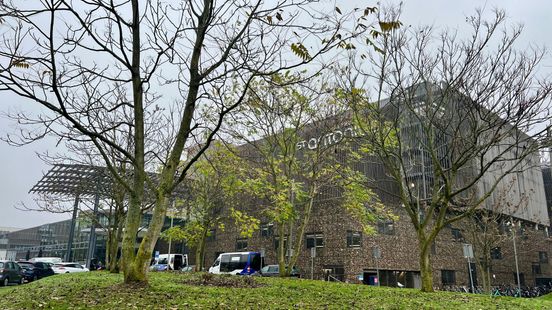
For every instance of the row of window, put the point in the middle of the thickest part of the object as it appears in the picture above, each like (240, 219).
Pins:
(496, 253)
(384, 228)
(354, 239)
(448, 277)
(312, 240)
(503, 229)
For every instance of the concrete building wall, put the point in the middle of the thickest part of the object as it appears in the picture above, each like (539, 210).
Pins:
(520, 194)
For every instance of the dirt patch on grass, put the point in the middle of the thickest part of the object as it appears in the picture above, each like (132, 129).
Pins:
(124, 287)
(208, 279)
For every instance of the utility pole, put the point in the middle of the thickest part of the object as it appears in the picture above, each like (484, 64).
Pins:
(516, 258)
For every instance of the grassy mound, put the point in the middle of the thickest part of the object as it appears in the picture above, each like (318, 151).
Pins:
(101, 290)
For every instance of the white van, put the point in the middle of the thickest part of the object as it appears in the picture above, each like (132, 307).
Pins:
(243, 263)
(176, 262)
(51, 260)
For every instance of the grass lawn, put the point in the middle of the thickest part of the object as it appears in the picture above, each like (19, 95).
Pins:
(101, 290)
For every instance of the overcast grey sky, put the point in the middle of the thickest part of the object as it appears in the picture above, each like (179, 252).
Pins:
(20, 168)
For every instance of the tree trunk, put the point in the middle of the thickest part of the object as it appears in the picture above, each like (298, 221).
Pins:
(132, 225)
(131, 261)
(114, 260)
(143, 256)
(111, 227)
(200, 252)
(489, 279)
(109, 246)
(281, 251)
(302, 228)
(484, 278)
(425, 266)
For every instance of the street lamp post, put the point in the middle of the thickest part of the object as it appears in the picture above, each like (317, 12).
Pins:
(513, 225)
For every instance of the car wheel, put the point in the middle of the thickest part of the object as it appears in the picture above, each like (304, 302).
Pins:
(22, 280)
(67, 272)
(35, 278)
(6, 282)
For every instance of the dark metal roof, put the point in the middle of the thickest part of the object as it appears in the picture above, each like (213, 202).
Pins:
(85, 181)
(72, 180)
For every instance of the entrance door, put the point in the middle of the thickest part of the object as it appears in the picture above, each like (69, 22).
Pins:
(334, 273)
(370, 277)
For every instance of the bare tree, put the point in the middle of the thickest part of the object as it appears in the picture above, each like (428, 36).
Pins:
(463, 116)
(82, 61)
(485, 228)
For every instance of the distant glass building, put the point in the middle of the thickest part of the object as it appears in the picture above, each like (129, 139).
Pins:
(4, 253)
(50, 240)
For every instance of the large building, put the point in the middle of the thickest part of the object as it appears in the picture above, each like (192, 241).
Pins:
(344, 252)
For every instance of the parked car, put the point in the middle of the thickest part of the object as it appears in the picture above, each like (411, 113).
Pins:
(172, 261)
(159, 267)
(35, 271)
(49, 260)
(68, 268)
(10, 272)
(274, 271)
(189, 268)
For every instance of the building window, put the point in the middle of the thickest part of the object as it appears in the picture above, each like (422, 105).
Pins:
(277, 242)
(448, 277)
(354, 238)
(386, 228)
(496, 253)
(536, 268)
(211, 235)
(456, 234)
(314, 240)
(241, 245)
(521, 278)
(267, 229)
(543, 257)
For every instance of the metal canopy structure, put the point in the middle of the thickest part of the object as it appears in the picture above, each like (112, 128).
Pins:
(75, 180)
(86, 181)
(78, 181)
(83, 181)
